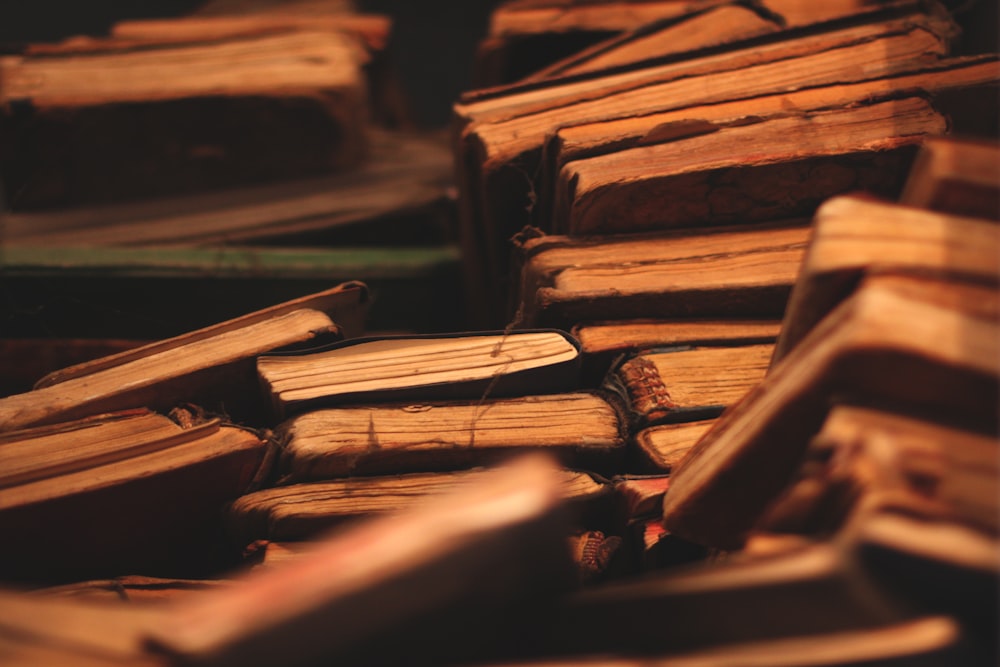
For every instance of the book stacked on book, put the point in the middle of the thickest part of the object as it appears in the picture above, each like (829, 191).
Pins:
(699, 139)
(764, 431)
(243, 153)
(120, 466)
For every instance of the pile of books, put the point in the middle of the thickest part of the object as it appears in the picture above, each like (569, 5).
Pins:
(177, 171)
(740, 405)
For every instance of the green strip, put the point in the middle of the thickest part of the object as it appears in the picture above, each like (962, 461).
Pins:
(230, 262)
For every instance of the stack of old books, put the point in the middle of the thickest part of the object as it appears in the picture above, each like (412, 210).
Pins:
(743, 411)
(239, 155)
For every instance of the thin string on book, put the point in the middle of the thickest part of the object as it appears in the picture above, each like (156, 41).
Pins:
(118, 588)
(495, 352)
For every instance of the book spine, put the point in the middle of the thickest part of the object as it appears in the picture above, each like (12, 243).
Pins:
(646, 392)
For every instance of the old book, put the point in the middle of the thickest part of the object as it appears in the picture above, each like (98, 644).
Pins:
(665, 446)
(524, 37)
(685, 384)
(956, 176)
(930, 640)
(39, 630)
(137, 589)
(219, 20)
(499, 139)
(24, 360)
(215, 363)
(578, 141)
(447, 564)
(699, 29)
(397, 189)
(345, 303)
(202, 26)
(593, 553)
(903, 550)
(179, 118)
(732, 272)
(301, 511)
(582, 430)
(876, 458)
(602, 341)
(471, 366)
(133, 492)
(918, 344)
(650, 546)
(745, 173)
(640, 496)
(853, 235)
(31, 455)
(817, 589)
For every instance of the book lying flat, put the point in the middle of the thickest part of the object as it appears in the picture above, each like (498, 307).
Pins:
(524, 37)
(674, 35)
(373, 29)
(664, 447)
(300, 511)
(818, 589)
(592, 552)
(214, 364)
(582, 430)
(747, 172)
(133, 492)
(181, 117)
(904, 550)
(600, 137)
(602, 341)
(931, 640)
(472, 366)
(685, 384)
(404, 173)
(956, 176)
(918, 344)
(30, 455)
(733, 272)
(853, 235)
(345, 303)
(640, 496)
(443, 566)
